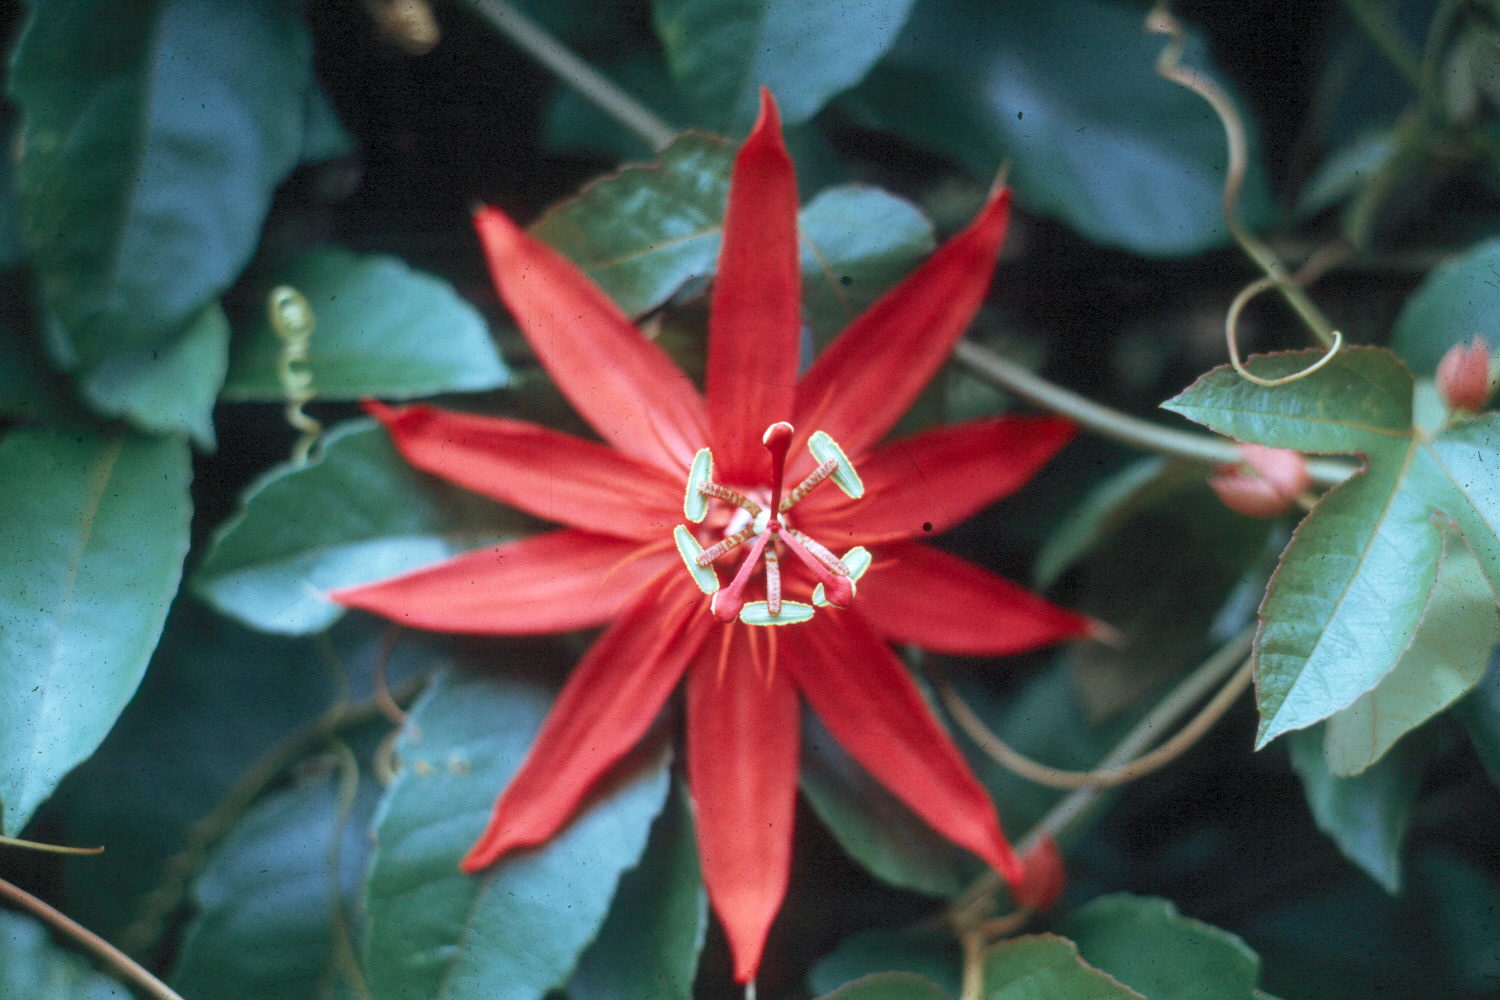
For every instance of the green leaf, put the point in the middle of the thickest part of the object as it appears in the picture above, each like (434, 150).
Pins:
(356, 513)
(1480, 714)
(1349, 593)
(874, 827)
(857, 242)
(166, 389)
(1367, 815)
(1347, 171)
(31, 966)
(92, 543)
(515, 931)
(382, 329)
(1446, 659)
(645, 232)
(274, 900)
(1042, 965)
(888, 986)
(649, 944)
(932, 954)
(1066, 92)
(171, 759)
(153, 136)
(1150, 947)
(1457, 299)
(722, 52)
(30, 388)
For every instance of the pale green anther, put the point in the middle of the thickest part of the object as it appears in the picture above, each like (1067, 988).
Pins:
(858, 560)
(844, 477)
(695, 504)
(688, 547)
(792, 612)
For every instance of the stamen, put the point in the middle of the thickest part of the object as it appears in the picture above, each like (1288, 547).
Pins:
(730, 496)
(805, 487)
(692, 555)
(695, 503)
(839, 590)
(777, 439)
(773, 581)
(727, 603)
(726, 544)
(826, 449)
(858, 561)
(792, 612)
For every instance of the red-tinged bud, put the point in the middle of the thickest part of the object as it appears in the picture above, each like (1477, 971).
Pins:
(1265, 483)
(1044, 877)
(1463, 376)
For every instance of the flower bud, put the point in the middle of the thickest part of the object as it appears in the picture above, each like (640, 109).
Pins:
(1265, 483)
(1045, 877)
(1463, 376)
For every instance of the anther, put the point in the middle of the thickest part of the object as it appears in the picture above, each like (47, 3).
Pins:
(858, 560)
(701, 472)
(825, 449)
(692, 554)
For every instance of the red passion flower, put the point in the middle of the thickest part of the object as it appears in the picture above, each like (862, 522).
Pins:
(753, 543)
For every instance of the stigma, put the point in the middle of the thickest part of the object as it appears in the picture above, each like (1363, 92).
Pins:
(768, 533)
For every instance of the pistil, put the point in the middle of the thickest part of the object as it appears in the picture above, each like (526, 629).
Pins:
(766, 527)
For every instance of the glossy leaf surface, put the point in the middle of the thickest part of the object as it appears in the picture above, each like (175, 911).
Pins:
(1352, 586)
(381, 329)
(355, 513)
(92, 545)
(516, 930)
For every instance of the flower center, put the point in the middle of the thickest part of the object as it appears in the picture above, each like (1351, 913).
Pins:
(767, 531)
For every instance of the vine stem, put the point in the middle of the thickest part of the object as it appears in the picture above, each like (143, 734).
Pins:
(128, 969)
(1113, 424)
(592, 85)
(1211, 674)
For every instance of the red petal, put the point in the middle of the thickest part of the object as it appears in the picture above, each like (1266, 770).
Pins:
(624, 385)
(552, 475)
(608, 703)
(743, 737)
(870, 704)
(555, 582)
(931, 481)
(859, 387)
(917, 594)
(755, 317)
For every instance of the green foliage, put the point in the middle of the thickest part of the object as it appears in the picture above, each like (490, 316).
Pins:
(1352, 586)
(355, 513)
(1366, 815)
(275, 903)
(382, 329)
(1046, 966)
(34, 968)
(888, 986)
(93, 540)
(153, 136)
(931, 954)
(1458, 299)
(516, 931)
(1067, 95)
(722, 52)
(648, 945)
(1150, 947)
(648, 231)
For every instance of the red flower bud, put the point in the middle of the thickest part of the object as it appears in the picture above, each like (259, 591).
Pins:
(1045, 877)
(1264, 484)
(1463, 376)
